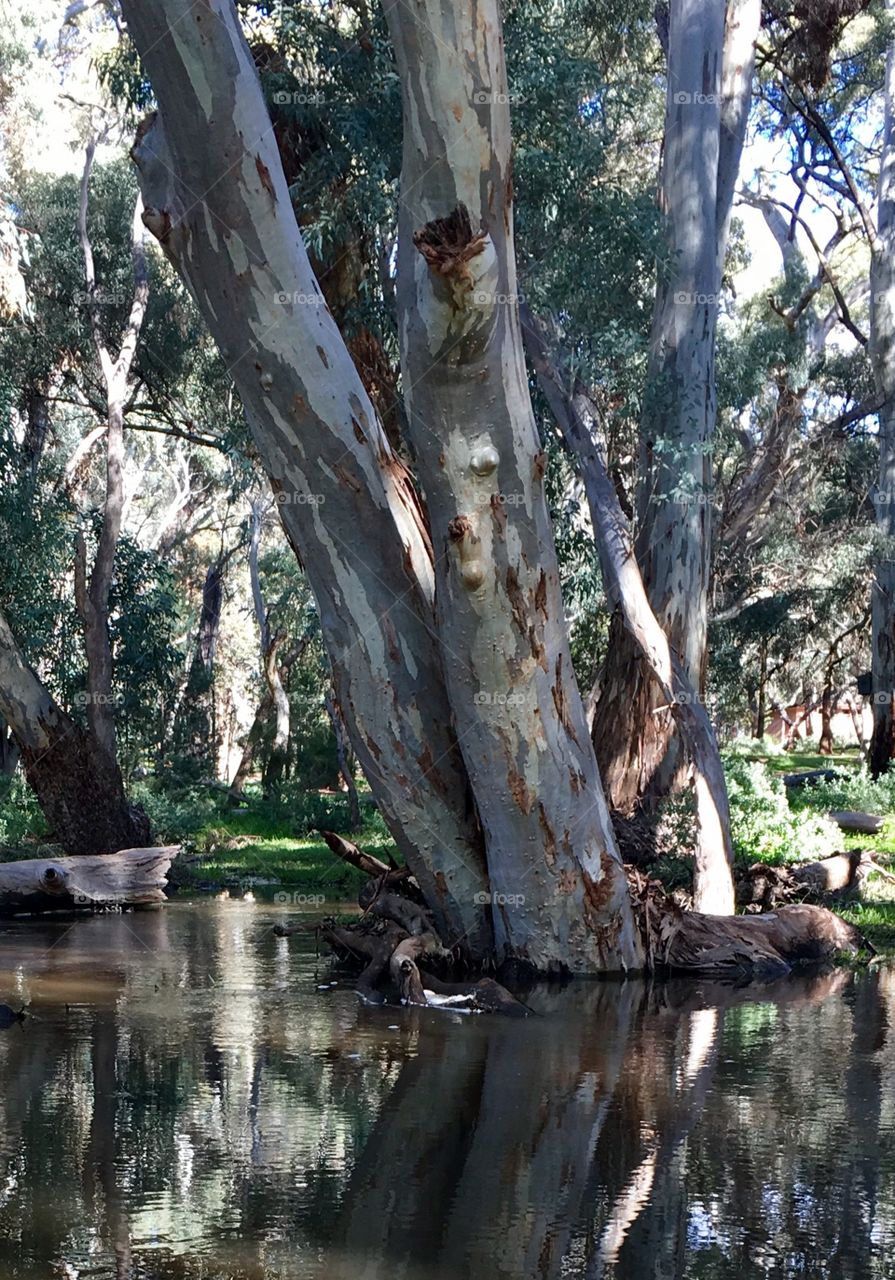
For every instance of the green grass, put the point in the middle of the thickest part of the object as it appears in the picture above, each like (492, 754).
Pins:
(249, 847)
(876, 920)
(801, 761)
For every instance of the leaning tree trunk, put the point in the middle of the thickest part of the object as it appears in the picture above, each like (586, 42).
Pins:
(710, 62)
(882, 353)
(78, 786)
(347, 504)
(576, 418)
(557, 879)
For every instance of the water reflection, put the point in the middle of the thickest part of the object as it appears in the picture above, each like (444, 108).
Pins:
(192, 1099)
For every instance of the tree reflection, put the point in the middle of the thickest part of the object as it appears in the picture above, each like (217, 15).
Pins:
(186, 1103)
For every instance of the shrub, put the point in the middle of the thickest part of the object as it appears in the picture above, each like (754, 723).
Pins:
(850, 790)
(763, 826)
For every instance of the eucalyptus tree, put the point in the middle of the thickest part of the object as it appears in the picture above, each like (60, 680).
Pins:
(825, 80)
(545, 847)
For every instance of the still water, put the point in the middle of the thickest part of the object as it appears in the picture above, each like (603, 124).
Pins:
(189, 1100)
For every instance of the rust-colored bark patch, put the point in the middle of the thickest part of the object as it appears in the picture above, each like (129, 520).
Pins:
(549, 835)
(541, 595)
(347, 478)
(264, 175)
(519, 790)
(448, 244)
(517, 600)
(560, 701)
(498, 516)
(358, 431)
(598, 893)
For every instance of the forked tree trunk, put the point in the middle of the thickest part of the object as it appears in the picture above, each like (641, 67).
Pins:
(882, 354)
(347, 504)
(558, 881)
(710, 63)
(78, 786)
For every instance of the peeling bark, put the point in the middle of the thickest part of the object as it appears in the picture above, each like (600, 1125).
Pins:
(559, 891)
(346, 501)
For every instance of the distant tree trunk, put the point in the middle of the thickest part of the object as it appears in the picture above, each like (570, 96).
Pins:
(825, 743)
(343, 752)
(37, 429)
(9, 751)
(92, 593)
(273, 678)
(710, 64)
(77, 784)
(882, 356)
(761, 712)
(521, 725)
(252, 744)
(195, 725)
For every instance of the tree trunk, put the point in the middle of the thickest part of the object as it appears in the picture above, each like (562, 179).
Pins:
(575, 414)
(92, 596)
(554, 869)
(710, 62)
(825, 743)
(882, 355)
(761, 713)
(9, 751)
(345, 499)
(343, 752)
(279, 700)
(195, 725)
(78, 786)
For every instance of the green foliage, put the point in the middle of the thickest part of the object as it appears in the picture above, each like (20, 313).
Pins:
(850, 790)
(763, 826)
(21, 820)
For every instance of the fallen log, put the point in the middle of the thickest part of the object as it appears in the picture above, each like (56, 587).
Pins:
(809, 776)
(132, 878)
(865, 824)
(769, 944)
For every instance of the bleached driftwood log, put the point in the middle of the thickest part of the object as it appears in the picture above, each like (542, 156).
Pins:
(133, 877)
